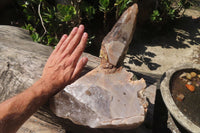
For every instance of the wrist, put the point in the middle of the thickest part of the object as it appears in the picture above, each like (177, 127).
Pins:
(47, 87)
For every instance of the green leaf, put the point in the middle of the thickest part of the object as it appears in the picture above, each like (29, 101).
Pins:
(104, 3)
(118, 2)
(121, 5)
(35, 37)
(90, 11)
(65, 12)
(103, 7)
(155, 16)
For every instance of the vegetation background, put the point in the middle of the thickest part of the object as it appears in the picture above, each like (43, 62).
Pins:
(48, 20)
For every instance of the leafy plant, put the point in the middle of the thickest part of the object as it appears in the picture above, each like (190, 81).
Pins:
(168, 10)
(90, 11)
(156, 16)
(48, 21)
(121, 5)
(35, 36)
(44, 20)
(65, 12)
(104, 7)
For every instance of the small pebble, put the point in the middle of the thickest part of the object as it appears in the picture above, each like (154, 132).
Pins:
(180, 97)
(188, 76)
(197, 85)
(185, 80)
(182, 75)
(193, 74)
(194, 79)
(190, 87)
(189, 82)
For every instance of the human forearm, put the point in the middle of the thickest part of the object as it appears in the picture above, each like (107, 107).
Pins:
(18, 109)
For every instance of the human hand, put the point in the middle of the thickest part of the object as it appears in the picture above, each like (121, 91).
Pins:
(63, 67)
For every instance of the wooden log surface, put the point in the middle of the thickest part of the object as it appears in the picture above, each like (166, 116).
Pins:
(21, 64)
(22, 61)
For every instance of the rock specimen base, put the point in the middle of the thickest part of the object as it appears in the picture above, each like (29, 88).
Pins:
(102, 99)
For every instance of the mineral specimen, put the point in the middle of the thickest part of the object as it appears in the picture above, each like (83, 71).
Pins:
(106, 97)
(101, 99)
(115, 44)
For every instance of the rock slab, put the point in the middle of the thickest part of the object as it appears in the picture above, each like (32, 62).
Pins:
(99, 99)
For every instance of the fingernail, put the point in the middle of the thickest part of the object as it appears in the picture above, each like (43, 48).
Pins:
(74, 29)
(85, 59)
(85, 34)
(81, 26)
(64, 36)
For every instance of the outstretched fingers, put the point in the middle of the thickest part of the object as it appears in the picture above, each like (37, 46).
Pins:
(79, 67)
(68, 40)
(63, 38)
(80, 48)
(75, 41)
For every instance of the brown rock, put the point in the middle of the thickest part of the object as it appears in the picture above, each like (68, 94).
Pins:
(115, 44)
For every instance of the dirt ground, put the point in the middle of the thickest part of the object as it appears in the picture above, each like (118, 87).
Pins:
(175, 44)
